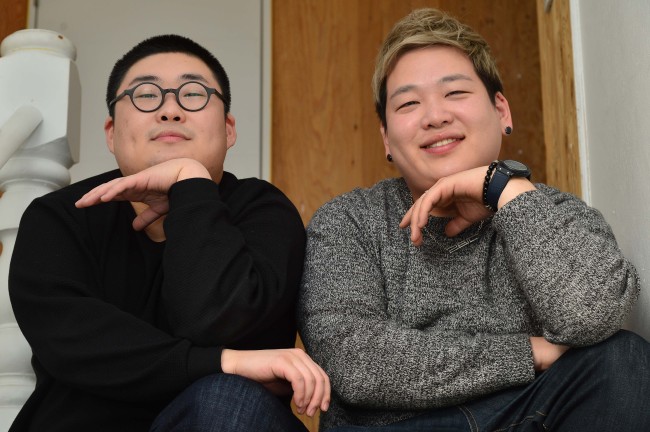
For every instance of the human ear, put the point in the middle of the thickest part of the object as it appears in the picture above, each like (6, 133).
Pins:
(231, 130)
(384, 137)
(503, 110)
(109, 128)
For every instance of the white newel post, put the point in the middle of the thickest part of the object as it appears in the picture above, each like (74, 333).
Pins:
(40, 101)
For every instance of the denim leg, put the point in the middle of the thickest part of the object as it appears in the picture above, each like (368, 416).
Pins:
(224, 402)
(611, 382)
(605, 387)
(449, 419)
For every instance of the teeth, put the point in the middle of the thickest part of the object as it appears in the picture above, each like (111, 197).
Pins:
(441, 143)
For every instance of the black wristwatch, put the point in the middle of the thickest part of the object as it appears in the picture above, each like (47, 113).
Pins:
(504, 171)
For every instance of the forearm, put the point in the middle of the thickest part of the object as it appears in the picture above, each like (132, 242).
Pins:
(88, 344)
(71, 309)
(384, 366)
(564, 254)
(374, 358)
(228, 274)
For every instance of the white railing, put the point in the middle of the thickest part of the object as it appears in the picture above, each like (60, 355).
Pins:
(40, 100)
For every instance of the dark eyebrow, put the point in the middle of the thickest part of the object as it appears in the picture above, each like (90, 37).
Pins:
(156, 79)
(445, 79)
(402, 89)
(143, 78)
(455, 77)
(194, 77)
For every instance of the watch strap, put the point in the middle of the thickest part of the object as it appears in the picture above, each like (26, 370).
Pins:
(495, 188)
(486, 182)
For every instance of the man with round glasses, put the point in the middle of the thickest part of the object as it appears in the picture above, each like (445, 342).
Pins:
(160, 296)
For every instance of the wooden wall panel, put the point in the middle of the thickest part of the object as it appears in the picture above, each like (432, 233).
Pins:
(558, 95)
(325, 133)
(13, 16)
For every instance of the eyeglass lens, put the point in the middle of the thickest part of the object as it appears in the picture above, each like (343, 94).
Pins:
(192, 96)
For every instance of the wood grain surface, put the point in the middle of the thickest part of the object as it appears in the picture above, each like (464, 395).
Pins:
(325, 133)
(558, 96)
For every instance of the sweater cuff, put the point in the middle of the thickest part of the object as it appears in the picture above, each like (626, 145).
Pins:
(524, 207)
(519, 366)
(203, 362)
(192, 190)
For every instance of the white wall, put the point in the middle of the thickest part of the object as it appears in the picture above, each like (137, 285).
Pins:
(103, 31)
(612, 55)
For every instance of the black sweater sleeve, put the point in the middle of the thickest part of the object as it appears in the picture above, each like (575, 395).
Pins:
(76, 335)
(232, 263)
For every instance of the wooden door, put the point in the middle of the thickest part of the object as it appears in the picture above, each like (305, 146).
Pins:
(13, 16)
(325, 133)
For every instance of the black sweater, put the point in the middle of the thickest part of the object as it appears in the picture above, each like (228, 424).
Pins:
(119, 324)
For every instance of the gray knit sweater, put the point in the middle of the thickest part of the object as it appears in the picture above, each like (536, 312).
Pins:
(401, 329)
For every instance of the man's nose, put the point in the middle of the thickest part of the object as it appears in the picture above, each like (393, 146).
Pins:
(436, 116)
(170, 110)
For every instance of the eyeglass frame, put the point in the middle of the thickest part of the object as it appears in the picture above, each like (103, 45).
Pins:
(164, 92)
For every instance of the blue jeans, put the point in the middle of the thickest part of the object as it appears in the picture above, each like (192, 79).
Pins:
(224, 402)
(605, 387)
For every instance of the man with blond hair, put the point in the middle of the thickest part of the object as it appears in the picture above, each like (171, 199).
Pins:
(461, 296)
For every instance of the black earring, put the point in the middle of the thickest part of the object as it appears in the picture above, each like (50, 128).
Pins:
(508, 130)
(389, 158)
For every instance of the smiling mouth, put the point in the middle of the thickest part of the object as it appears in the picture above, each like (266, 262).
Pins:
(440, 143)
(170, 137)
(169, 134)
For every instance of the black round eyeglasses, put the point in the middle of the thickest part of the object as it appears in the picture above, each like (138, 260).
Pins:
(148, 97)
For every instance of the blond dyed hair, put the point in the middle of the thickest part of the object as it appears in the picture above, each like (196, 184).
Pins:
(424, 28)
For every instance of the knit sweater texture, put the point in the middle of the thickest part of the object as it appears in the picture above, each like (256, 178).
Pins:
(401, 329)
(120, 324)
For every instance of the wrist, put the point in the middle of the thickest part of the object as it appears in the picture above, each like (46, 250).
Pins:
(515, 187)
(501, 177)
(193, 171)
(187, 168)
(228, 360)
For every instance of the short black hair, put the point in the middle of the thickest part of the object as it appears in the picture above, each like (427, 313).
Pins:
(169, 43)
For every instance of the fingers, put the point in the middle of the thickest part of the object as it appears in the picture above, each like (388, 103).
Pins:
(310, 383)
(545, 353)
(146, 218)
(138, 187)
(417, 216)
(406, 220)
(96, 195)
(320, 397)
(456, 226)
(458, 196)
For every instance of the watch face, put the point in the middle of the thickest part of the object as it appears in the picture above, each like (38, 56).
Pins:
(516, 167)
